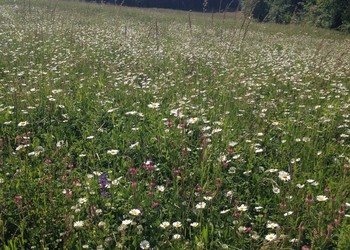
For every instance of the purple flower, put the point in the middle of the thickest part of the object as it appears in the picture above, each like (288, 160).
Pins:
(104, 184)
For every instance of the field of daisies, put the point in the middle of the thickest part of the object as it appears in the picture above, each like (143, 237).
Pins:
(125, 128)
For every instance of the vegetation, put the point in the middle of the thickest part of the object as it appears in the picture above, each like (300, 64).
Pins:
(126, 128)
(334, 14)
(195, 5)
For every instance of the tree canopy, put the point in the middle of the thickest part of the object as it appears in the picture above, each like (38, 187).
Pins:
(333, 14)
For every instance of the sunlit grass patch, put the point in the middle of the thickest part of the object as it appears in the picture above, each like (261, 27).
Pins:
(131, 128)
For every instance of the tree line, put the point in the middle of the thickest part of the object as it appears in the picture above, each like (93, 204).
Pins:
(194, 5)
(334, 14)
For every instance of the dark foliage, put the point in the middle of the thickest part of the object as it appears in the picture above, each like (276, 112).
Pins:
(195, 5)
(334, 14)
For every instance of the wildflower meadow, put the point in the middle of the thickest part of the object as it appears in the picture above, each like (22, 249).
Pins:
(129, 128)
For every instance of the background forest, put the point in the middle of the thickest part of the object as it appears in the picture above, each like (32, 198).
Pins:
(334, 14)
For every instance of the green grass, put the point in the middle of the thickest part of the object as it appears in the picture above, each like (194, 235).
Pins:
(237, 107)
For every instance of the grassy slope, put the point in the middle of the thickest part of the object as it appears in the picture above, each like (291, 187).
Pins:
(74, 70)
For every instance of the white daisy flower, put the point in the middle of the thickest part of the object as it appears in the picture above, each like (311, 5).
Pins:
(242, 208)
(126, 222)
(145, 244)
(153, 105)
(164, 224)
(177, 224)
(78, 224)
(321, 198)
(112, 151)
(135, 212)
(201, 205)
(270, 237)
(176, 236)
(23, 124)
(284, 176)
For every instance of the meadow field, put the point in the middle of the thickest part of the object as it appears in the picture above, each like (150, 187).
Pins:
(126, 128)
